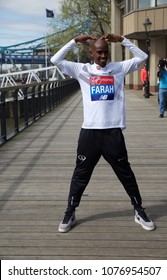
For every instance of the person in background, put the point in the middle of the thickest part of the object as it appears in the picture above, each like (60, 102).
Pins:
(143, 76)
(162, 94)
(102, 87)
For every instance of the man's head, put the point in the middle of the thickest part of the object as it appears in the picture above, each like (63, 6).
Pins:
(100, 52)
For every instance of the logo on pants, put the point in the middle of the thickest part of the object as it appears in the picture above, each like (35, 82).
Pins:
(81, 157)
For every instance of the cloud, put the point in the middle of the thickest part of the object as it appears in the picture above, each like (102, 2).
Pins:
(31, 7)
(23, 20)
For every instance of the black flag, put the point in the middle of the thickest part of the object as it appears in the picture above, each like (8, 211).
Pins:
(49, 13)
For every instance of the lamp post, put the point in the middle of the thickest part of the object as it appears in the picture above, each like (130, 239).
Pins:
(147, 24)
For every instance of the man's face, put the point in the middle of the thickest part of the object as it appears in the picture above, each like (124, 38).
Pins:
(100, 52)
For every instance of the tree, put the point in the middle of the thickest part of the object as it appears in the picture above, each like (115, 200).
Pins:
(81, 17)
(91, 16)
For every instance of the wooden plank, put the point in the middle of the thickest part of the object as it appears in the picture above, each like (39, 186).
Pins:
(36, 168)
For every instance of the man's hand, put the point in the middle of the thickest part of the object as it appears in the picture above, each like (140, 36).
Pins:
(112, 38)
(83, 39)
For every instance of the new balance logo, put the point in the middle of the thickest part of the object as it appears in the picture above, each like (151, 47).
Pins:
(103, 97)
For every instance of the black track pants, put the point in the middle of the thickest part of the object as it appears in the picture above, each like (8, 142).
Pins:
(92, 144)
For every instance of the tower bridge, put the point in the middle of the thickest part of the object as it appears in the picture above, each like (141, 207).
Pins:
(25, 59)
(34, 51)
(30, 52)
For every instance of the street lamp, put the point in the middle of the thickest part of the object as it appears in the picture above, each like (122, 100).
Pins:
(147, 24)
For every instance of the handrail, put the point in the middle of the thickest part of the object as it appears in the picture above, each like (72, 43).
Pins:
(19, 111)
(27, 76)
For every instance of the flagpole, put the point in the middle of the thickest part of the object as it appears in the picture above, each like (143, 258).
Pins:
(50, 14)
(46, 57)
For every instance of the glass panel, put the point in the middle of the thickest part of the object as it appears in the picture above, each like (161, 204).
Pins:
(161, 2)
(129, 5)
(146, 3)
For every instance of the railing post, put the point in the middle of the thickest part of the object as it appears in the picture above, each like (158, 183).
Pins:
(44, 97)
(3, 116)
(15, 110)
(49, 99)
(33, 103)
(25, 106)
(39, 101)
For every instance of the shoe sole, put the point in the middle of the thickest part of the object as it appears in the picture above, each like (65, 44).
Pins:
(67, 229)
(143, 226)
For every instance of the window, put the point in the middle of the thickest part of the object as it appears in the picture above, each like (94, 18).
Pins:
(161, 2)
(146, 3)
(129, 6)
(150, 3)
(142, 4)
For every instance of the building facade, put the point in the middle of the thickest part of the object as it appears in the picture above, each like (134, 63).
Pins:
(127, 18)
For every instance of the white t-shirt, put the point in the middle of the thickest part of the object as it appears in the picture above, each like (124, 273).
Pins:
(102, 87)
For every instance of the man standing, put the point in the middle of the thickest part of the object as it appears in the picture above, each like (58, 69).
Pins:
(102, 86)
(144, 76)
(162, 75)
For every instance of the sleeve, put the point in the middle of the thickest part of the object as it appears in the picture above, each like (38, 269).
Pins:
(138, 56)
(67, 67)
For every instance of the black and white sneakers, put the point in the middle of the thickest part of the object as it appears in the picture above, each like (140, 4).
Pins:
(68, 221)
(142, 219)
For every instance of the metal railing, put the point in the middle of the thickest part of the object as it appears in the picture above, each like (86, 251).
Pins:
(19, 111)
(28, 76)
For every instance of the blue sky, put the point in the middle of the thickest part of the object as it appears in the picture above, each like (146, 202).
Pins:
(24, 20)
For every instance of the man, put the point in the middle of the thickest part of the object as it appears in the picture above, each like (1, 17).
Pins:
(162, 95)
(143, 76)
(102, 86)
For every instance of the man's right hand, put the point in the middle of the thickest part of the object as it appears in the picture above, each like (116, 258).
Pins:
(83, 39)
(112, 38)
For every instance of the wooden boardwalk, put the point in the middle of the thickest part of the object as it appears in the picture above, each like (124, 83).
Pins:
(36, 168)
